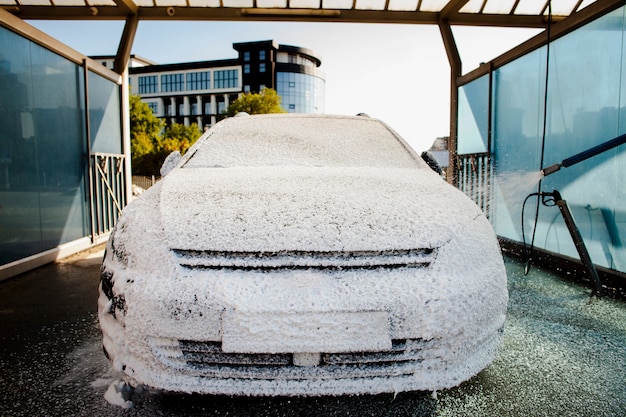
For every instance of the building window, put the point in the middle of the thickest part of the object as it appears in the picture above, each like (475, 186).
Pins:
(221, 107)
(168, 110)
(246, 88)
(153, 106)
(172, 82)
(246, 69)
(199, 80)
(225, 79)
(246, 56)
(181, 109)
(262, 67)
(301, 93)
(148, 84)
(207, 107)
(262, 55)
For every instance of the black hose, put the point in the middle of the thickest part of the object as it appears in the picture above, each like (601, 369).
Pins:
(543, 144)
(528, 252)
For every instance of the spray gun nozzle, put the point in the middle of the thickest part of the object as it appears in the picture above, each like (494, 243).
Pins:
(551, 169)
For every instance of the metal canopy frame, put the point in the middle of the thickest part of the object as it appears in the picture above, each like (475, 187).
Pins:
(506, 13)
(562, 15)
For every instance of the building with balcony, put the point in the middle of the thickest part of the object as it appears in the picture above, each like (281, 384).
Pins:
(200, 92)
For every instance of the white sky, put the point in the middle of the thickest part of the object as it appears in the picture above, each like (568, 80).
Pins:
(397, 73)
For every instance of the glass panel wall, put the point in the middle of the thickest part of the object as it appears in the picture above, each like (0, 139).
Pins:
(105, 126)
(473, 119)
(585, 79)
(585, 108)
(20, 225)
(42, 145)
(44, 161)
(517, 128)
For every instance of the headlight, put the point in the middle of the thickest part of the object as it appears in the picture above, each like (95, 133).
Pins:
(112, 255)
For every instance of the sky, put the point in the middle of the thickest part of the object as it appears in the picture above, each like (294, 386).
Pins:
(397, 73)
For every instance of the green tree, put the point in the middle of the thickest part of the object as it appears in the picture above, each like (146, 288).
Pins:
(145, 132)
(179, 137)
(267, 101)
(151, 140)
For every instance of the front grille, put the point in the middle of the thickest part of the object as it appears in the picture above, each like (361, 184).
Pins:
(210, 354)
(331, 260)
(206, 359)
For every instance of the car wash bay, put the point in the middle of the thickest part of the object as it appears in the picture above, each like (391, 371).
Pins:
(564, 353)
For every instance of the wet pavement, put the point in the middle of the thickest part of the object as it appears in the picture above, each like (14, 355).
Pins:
(564, 354)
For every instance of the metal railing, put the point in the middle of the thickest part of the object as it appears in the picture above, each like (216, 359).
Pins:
(475, 177)
(144, 182)
(108, 192)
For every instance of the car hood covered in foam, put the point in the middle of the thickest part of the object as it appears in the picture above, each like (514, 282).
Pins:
(307, 208)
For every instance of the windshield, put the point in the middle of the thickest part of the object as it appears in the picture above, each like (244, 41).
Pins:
(286, 140)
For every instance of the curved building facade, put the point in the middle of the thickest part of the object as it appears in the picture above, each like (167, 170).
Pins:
(299, 82)
(200, 92)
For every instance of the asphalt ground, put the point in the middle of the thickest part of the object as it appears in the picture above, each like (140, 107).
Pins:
(564, 354)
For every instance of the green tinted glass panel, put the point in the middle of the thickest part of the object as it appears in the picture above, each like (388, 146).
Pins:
(473, 119)
(104, 115)
(584, 108)
(42, 149)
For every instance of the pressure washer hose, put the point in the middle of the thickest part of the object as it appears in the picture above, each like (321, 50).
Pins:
(529, 251)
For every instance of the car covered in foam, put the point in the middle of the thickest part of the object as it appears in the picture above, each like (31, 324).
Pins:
(301, 255)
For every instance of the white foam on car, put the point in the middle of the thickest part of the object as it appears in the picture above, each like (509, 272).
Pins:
(238, 206)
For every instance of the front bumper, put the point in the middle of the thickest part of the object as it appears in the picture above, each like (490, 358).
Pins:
(181, 342)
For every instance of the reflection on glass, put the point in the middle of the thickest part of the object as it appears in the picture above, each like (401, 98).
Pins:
(300, 93)
(104, 111)
(585, 92)
(42, 149)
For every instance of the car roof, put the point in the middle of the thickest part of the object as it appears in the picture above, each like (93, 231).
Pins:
(302, 139)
